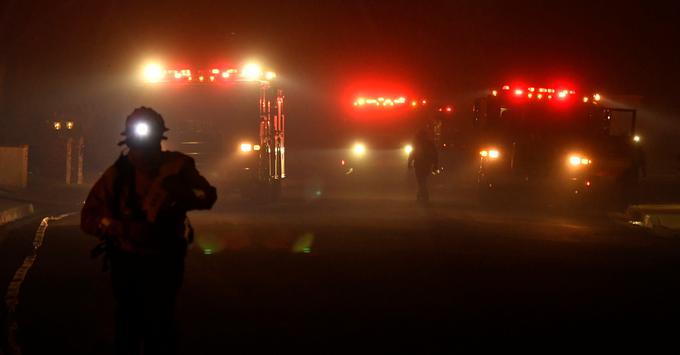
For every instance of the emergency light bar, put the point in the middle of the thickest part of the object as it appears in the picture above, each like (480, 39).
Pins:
(155, 73)
(541, 93)
(386, 102)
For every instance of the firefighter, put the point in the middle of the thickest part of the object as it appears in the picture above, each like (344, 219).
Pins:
(423, 159)
(138, 209)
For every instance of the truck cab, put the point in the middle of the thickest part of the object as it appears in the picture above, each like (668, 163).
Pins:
(553, 141)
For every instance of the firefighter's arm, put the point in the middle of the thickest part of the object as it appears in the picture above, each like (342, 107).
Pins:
(96, 217)
(190, 189)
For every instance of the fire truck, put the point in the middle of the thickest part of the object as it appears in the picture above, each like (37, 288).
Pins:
(555, 142)
(380, 130)
(231, 121)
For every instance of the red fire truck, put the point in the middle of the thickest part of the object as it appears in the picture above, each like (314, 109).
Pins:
(231, 121)
(554, 141)
(380, 130)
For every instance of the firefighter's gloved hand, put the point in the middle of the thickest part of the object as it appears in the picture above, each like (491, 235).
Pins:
(110, 228)
(180, 192)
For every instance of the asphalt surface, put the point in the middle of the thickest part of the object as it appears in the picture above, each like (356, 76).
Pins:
(370, 272)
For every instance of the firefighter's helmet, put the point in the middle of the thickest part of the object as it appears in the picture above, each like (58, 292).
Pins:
(143, 126)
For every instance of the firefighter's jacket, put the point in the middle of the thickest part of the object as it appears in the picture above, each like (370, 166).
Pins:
(154, 221)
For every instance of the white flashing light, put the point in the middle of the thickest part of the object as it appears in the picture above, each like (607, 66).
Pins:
(153, 73)
(408, 149)
(597, 97)
(252, 71)
(270, 75)
(636, 139)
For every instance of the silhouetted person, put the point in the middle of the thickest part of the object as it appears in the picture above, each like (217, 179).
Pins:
(424, 160)
(138, 208)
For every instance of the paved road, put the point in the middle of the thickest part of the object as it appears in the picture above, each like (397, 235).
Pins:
(326, 273)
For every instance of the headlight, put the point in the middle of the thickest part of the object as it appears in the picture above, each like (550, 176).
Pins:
(246, 147)
(408, 149)
(490, 153)
(359, 149)
(579, 160)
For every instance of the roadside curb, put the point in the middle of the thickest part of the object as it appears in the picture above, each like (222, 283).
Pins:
(12, 214)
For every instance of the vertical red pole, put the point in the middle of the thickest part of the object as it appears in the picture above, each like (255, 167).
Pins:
(69, 158)
(81, 160)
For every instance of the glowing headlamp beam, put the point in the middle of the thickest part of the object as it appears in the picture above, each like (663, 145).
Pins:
(142, 130)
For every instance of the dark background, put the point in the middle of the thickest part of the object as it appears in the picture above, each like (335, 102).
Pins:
(80, 58)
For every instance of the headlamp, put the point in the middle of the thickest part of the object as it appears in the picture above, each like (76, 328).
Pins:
(142, 130)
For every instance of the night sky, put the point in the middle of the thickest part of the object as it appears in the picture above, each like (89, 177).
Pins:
(79, 55)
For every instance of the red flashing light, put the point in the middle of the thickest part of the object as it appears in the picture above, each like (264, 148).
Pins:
(215, 71)
(424, 102)
(531, 89)
(382, 102)
(519, 92)
(506, 87)
(539, 96)
(449, 109)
